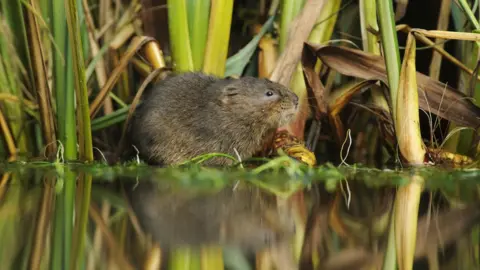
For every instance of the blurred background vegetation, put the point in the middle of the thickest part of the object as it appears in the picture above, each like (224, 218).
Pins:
(72, 71)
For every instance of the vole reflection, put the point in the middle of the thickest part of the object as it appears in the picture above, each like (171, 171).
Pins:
(242, 217)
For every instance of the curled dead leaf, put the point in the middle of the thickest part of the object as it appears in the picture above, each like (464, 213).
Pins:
(406, 118)
(433, 96)
(293, 147)
(440, 156)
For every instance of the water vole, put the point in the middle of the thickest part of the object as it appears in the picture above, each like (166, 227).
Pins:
(191, 114)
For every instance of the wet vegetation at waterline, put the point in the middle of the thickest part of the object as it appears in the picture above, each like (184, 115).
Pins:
(378, 170)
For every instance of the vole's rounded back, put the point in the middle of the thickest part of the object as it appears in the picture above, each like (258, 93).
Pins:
(192, 114)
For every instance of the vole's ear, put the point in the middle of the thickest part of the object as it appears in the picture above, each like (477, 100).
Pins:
(230, 90)
(228, 93)
(233, 77)
(267, 80)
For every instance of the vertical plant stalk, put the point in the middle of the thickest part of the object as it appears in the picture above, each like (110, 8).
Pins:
(267, 56)
(83, 30)
(106, 21)
(179, 38)
(407, 201)
(218, 37)
(79, 231)
(390, 47)
(390, 259)
(442, 25)
(154, 258)
(368, 19)
(85, 138)
(321, 32)
(67, 133)
(48, 131)
(41, 85)
(198, 14)
(392, 60)
(181, 259)
(60, 69)
(407, 122)
(263, 260)
(211, 257)
(84, 128)
(407, 127)
(123, 87)
(43, 220)
(290, 9)
(70, 154)
(290, 57)
(370, 42)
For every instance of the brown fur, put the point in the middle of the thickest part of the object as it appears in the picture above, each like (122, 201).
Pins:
(192, 114)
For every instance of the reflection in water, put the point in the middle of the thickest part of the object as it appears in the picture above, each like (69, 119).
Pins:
(239, 216)
(243, 219)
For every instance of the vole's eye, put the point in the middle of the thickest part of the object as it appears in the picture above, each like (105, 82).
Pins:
(269, 93)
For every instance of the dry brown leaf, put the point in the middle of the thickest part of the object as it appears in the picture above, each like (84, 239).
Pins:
(317, 96)
(434, 96)
(341, 96)
(338, 99)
